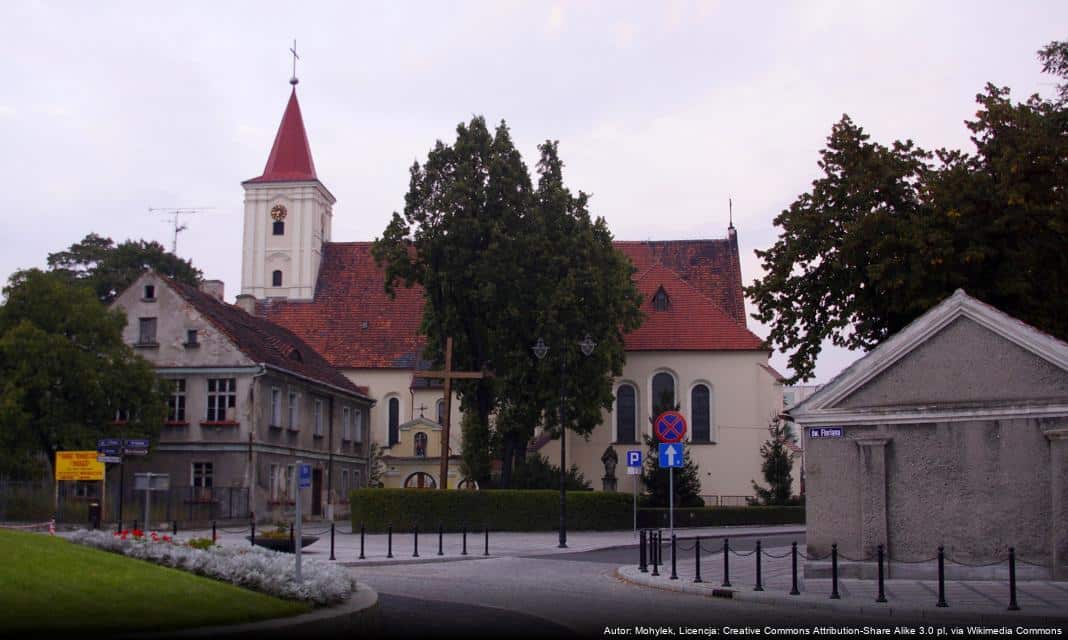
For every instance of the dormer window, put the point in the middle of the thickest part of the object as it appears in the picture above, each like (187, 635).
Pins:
(295, 355)
(150, 292)
(191, 338)
(660, 300)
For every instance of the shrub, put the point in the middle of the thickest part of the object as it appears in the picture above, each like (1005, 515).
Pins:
(200, 543)
(722, 516)
(500, 510)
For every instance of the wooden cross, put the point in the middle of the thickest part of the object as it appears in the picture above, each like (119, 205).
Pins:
(448, 375)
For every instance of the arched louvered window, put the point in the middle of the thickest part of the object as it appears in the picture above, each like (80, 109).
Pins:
(663, 392)
(626, 413)
(394, 421)
(701, 409)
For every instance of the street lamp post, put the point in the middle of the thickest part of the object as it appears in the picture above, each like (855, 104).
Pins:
(540, 350)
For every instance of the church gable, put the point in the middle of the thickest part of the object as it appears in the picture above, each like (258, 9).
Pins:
(964, 363)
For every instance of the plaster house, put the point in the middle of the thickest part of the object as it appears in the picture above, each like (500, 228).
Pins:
(249, 399)
(952, 432)
(694, 344)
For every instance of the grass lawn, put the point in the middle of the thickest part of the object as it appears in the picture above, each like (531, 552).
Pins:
(48, 583)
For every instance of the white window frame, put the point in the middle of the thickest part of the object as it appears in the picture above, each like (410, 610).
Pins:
(272, 478)
(294, 411)
(346, 424)
(225, 391)
(276, 407)
(176, 406)
(207, 471)
(318, 415)
(358, 426)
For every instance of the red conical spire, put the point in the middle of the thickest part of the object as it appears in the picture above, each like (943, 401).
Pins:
(291, 158)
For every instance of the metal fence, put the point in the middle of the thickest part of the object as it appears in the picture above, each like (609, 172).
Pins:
(726, 501)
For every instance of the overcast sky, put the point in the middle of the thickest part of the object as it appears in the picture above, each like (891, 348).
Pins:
(663, 110)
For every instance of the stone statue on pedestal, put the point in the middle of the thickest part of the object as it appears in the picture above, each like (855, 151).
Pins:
(610, 460)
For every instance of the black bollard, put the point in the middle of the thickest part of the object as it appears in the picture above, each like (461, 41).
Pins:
(441, 535)
(882, 588)
(332, 541)
(389, 542)
(487, 542)
(464, 551)
(760, 577)
(941, 577)
(252, 540)
(726, 563)
(656, 559)
(362, 532)
(697, 560)
(834, 573)
(214, 537)
(135, 524)
(175, 531)
(415, 541)
(793, 560)
(1012, 580)
(641, 552)
(674, 573)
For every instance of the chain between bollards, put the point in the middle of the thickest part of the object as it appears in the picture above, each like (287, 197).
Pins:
(697, 560)
(759, 576)
(362, 532)
(941, 577)
(332, 541)
(882, 588)
(726, 563)
(793, 561)
(834, 573)
(389, 541)
(1012, 580)
(441, 534)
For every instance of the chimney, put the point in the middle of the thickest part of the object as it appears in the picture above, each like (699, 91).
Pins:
(247, 303)
(214, 288)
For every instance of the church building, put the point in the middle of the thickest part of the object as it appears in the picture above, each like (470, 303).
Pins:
(693, 345)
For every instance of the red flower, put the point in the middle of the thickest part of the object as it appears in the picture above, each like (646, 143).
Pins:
(137, 533)
(166, 538)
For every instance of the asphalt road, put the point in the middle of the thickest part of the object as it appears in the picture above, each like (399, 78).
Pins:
(546, 596)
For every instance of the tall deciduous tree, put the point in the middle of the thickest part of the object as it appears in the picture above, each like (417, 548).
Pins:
(888, 232)
(109, 268)
(65, 372)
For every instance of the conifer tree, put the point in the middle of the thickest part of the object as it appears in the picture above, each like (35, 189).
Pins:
(777, 466)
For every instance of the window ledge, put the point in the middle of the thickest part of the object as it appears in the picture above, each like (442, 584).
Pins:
(345, 440)
(191, 345)
(149, 299)
(176, 423)
(220, 423)
(701, 442)
(274, 426)
(293, 429)
(146, 345)
(627, 442)
(318, 436)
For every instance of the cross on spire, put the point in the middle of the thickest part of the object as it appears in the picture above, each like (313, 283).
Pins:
(293, 81)
(422, 408)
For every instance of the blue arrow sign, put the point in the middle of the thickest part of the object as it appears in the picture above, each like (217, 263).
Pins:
(670, 455)
(305, 476)
(634, 458)
(108, 443)
(139, 443)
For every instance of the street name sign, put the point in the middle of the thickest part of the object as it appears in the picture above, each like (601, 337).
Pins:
(671, 455)
(136, 447)
(825, 432)
(108, 459)
(670, 426)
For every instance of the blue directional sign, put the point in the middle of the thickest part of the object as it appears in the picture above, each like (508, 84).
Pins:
(305, 476)
(108, 443)
(634, 458)
(671, 455)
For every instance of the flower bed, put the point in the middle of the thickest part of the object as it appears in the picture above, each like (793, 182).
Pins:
(255, 568)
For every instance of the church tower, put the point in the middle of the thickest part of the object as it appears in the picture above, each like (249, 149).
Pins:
(288, 215)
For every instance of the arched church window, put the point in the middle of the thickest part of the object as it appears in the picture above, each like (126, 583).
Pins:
(663, 392)
(394, 421)
(420, 480)
(276, 278)
(420, 444)
(626, 398)
(278, 228)
(701, 406)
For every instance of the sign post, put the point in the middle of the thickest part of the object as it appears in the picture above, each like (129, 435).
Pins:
(303, 482)
(634, 468)
(671, 429)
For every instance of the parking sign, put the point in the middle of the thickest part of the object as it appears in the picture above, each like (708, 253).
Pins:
(305, 476)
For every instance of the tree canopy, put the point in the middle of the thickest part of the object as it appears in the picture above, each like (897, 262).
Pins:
(502, 264)
(108, 268)
(65, 373)
(888, 232)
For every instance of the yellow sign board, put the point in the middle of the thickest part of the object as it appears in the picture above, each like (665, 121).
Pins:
(78, 465)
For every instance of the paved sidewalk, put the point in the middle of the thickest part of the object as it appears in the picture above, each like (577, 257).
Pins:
(973, 601)
(501, 543)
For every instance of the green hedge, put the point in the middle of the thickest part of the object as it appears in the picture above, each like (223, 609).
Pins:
(500, 510)
(722, 516)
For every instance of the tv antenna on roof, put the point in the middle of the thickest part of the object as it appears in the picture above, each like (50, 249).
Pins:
(175, 218)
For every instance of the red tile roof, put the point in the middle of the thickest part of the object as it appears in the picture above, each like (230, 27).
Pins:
(711, 266)
(691, 322)
(263, 341)
(291, 157)
(355, 325)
